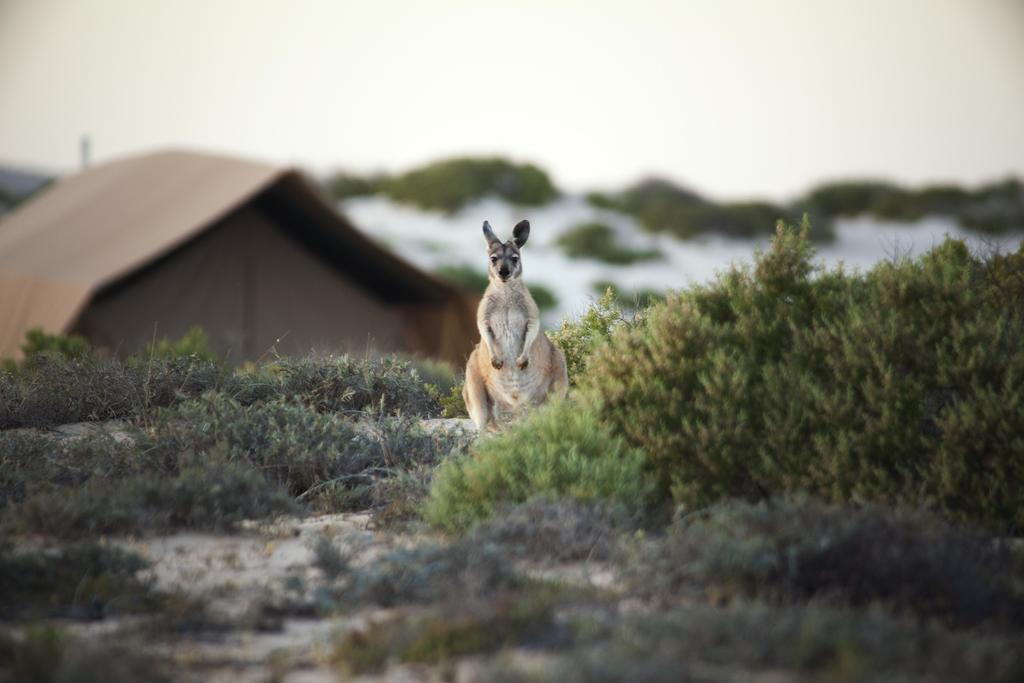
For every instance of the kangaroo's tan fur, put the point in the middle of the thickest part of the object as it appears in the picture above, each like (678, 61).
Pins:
(515, 365)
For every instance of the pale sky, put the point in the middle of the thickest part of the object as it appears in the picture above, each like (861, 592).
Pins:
(732, 98)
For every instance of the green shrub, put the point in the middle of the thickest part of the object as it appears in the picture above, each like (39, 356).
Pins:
(597, 241)
(580, 337)
(194, 345)
(558, 450)
(453, 403)
(38, 343)
(784, 551)
(892, 386)
(451, 184)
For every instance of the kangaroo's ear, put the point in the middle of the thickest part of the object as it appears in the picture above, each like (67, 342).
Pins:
(489, 234)
(521, 233)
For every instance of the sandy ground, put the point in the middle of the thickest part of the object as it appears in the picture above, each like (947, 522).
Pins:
(235, 575)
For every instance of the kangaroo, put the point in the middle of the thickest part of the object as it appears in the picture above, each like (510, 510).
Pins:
(515, 365)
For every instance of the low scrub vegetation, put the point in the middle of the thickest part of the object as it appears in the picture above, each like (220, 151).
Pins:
(796, 588)
(54, 388)
(598, 241)
(213, 462)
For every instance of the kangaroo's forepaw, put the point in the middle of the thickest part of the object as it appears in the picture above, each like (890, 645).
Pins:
(522, 362)
(497, 363)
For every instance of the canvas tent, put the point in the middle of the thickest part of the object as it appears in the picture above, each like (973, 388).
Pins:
(149, 246)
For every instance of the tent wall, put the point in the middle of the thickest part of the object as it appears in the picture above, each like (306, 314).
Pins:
(248, 285)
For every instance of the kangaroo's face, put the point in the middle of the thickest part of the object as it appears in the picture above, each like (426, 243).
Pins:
(503, 257)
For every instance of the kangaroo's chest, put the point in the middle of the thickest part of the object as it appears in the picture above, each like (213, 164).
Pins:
(508, 323)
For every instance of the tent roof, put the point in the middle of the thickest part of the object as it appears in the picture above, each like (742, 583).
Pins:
(92, 229)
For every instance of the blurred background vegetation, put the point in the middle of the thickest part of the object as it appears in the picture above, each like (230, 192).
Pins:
(662, 206)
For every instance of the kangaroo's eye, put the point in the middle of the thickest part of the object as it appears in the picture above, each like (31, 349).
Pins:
(494, 259)
(515, 259)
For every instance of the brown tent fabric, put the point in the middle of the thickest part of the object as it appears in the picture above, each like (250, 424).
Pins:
(149, 246)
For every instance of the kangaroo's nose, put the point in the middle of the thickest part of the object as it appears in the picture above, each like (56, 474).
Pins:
(503, 272)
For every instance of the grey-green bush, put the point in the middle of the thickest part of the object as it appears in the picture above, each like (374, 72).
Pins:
(796, 551)
(312, 455)
(77, 581)
(216, 495)
(339, 385)
(757, 642)
(54, 389)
